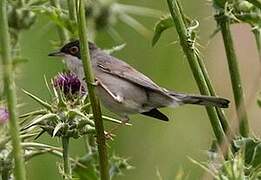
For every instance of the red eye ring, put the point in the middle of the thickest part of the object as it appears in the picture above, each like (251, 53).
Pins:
(74, 50)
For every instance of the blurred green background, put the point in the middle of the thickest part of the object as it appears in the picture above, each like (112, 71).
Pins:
(152, 146)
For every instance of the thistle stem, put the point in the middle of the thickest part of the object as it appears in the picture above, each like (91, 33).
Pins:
(181, 28)
(221, 114)
(72, 10)
(66, 159)
(224, 23)
(95, 104)
(9, 89)
(5, 174)
(257, 34)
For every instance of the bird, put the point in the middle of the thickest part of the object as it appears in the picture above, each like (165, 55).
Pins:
(124, 90)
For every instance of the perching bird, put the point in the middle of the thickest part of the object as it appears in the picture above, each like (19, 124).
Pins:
(124, 90)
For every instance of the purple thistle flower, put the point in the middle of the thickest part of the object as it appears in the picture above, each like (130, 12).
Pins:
(69, 83)
(4, 115)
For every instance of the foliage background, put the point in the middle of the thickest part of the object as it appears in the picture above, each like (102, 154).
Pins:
(151, 145)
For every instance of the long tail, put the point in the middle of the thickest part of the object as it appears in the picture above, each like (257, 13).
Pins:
(200, 100)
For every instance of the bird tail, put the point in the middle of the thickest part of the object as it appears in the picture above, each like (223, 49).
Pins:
(200, 100)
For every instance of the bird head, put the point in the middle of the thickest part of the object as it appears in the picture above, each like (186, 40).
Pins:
(72, 50)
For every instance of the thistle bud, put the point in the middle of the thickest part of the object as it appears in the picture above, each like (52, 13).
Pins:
(69, 84)
(4, 115)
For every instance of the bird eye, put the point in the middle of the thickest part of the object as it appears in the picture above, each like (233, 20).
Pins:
(74, 50)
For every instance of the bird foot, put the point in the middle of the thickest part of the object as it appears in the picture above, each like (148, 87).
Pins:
(124, 121)
(109, 135)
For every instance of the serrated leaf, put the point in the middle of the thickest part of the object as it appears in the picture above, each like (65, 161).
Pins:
(163, 24)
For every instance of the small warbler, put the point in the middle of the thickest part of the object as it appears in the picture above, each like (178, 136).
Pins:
(124, 90)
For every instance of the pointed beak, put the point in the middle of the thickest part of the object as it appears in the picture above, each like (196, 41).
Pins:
(59, 54)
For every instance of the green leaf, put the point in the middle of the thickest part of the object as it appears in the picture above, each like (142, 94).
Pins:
(163, 24)
(73, 113)
(88, 171)
(57, 128)
(40, 101)
(33, 113)
(118, 165)
(57, 16)
(41, 119)
(252, 150)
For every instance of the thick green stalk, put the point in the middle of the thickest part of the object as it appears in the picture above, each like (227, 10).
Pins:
(224, 23)
(66, 159)
(195, 67)
(9, 89)
(257, 34)
(62, 33)
(72, 13)
(221, 114)
(89, 77)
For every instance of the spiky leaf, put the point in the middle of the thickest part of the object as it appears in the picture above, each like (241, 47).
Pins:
(163, 24)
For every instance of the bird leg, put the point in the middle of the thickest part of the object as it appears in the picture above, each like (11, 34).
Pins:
(117, 98)
(124, 121)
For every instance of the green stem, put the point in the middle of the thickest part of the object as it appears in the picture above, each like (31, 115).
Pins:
(9, 87)
(66, 159)
(257, 34)
(221, 114)
(5, 174)
(89, 140)
(89, 77)
(224, 23)
(62, 33)
(181, 28)
(72, 10)
(21, 3)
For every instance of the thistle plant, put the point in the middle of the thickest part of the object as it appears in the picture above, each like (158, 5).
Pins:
(68, 113)
(186, 31)
(9, 90)
(65, 117)
(242, 158)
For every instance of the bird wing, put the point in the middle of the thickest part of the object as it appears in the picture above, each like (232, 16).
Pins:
(121, 69)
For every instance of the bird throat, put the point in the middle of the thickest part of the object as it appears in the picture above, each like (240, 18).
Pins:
(74, 64)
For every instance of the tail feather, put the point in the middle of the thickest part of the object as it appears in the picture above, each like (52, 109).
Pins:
(201, 100)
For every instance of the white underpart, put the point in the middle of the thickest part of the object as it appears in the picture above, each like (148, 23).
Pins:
(75, 65)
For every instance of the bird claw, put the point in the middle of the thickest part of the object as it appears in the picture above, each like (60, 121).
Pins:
(95, 83)
(109, 135)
